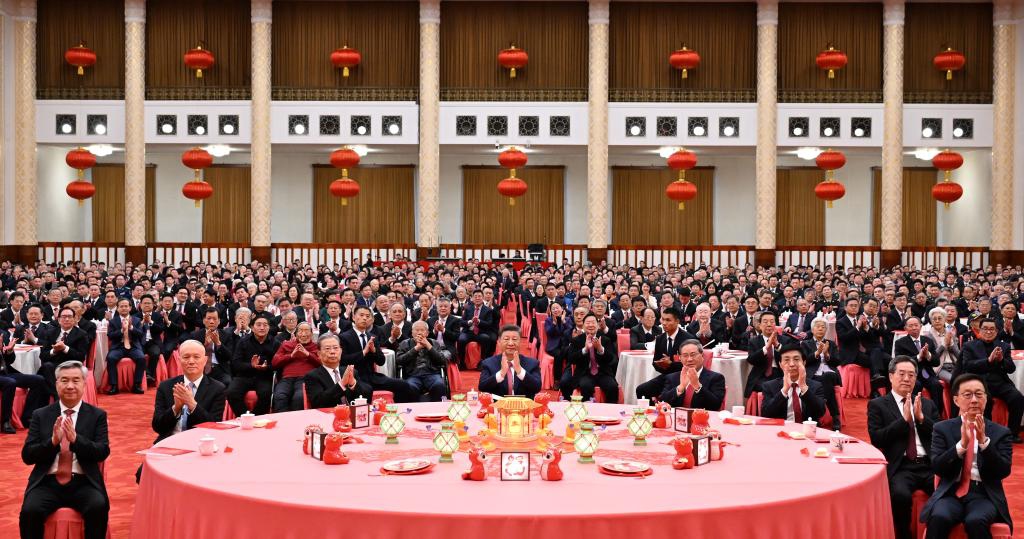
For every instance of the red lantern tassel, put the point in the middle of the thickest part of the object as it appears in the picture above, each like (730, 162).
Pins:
(511, 201)
(682, 206)
(684, 73)
(81, 71)
(344, 71)
(344, 202)
(512, 73)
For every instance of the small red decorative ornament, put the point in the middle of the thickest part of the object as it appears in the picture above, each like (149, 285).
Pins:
(550, 469)
(476, 471)
(829, 190)
(947, 191)
(512, 158)
(81, 57)
(199, 59)
(949, 61)
(197, 190)
(485, 399)
(831, 60)
(681, 190)
(344, 188)
(512, 187)
(332, 450)
(662, 421)
(81, 190)
(513, 59)
(684, 59)
(684, 453)
(341, 419)
(345, 58)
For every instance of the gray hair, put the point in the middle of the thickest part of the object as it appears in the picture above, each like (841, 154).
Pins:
(420, 323)
(937, 310)
(68, 365)
(819, 320)
(327, 336)
(901, 359)
(693, 342)
(243, 310)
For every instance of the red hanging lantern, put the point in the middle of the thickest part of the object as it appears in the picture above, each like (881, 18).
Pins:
(80, 190)
(344, 188)
(512, 158)
(831, 60)
(197, 190)
(197, 159)
(947, 162)
(682, 160)
(81, 57)
(80, 159)
(199, 59)
(947, 192)
(344, 158)
(512, 187)
(684, 59)
(345, 58)
(829, 161)
(513, 59)
(949, 61)
(829, 190)
(681, 191)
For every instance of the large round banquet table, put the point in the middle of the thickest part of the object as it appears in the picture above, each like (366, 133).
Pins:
(266, 487)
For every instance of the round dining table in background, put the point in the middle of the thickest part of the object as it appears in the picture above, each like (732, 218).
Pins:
(267, 487)
(636, 367)
(26, 358)
(101, 347)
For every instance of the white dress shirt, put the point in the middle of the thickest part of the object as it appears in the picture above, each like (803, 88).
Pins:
(921, 451)
(186, 381)
(961, 450)
(75, 467)
(787, 390)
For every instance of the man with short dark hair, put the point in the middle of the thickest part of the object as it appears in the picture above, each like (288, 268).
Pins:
(795, 396)
(900, 426)
(334, 384)
(666, 353)
(971, 456)
(66, 443)
(509, 373)
(251, 365)
(126, 336)
(990, 358)
(694, 386)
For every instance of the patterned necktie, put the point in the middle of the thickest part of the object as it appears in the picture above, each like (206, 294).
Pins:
(965, 475)
(511, 381)
(593, 360)
(337, 377)
(64, 458)
(63, 335)
(798, 414)
(911, 439)
(184, 409)
(770, 360)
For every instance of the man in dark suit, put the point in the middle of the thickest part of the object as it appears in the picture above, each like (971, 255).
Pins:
(990, 358)
(185, 401)
(799, 322)
(694, 386)
(709, 331)
(333, 321)
(479, 325)
(666, 352)
(186, 309)
(66, 443)
(152, 336)
(823, 366)
(174, 325)
(593, 364)
(763, 353)
(14, 315)
(744, 324)
(66, 343)
(900, 426)
(971, 456)
(126, 336)
(251, 369)
(361, 347)
(396, 330)
(922, 348)
(422, 360)
(795, 396)
(509, 373)
(1011, 328)
(217, 343)
(644, 332)
(335, 383)
(445, 326)
(860, 342)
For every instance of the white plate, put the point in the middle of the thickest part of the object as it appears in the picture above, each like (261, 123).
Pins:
(406, 465)
(625, 466)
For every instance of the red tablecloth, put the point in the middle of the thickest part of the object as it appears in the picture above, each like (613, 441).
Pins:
(268, 488)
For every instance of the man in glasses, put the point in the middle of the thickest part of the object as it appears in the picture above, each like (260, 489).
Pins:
(990, 359)
(971, 456)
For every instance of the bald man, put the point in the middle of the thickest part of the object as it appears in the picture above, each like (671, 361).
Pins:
(188, 400)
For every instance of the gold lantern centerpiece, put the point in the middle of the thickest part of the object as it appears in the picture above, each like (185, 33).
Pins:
(446, 441)
(515, 420)
(391, 424)
(639, 426)
(586, 443)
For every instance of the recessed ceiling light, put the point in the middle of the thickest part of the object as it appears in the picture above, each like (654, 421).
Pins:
(65, 128)
(927, 132)
(299, 129)
(808, 153)
(229, 129)
(361, 130)
(634, 130)
(218, 150)
(926, 154)
(698, 131)
(859, 132)
(100, 150)
(393, 129)
(828, 131)
(958, 132)
(200, 130)
(100, 129)
(797, 131)
(729, 131)
(166, 129)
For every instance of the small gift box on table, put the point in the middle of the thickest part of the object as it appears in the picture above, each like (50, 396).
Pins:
(701, 449)
(691, 420)
(360, 413)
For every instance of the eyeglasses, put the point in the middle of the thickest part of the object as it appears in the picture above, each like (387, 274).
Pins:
(972, 395)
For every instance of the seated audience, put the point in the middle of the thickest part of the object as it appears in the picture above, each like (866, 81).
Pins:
(294, 358)
(592, 364)
(795, 396)
(763, 353)
(422, 361)
(694, 386)
(361, 347)
(645, 331)
(990, 359)
(126, 336)
(823, 365)
(924, 350)
(252, 365)
(666, 353)
(333, 383)
(509, 373)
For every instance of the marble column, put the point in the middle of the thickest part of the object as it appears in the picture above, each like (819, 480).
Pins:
(1003, 72)
(892, 134)
(598, 201)
(428, 191)
(259, 240)
(135, 131)
(767, 112)
(26, 239)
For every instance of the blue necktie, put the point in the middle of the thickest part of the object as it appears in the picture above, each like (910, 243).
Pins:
(184, 409)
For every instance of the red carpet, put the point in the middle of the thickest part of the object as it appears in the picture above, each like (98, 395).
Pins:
(129, 417)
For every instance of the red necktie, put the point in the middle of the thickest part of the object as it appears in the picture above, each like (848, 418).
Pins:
(965, 475)
(511, 381)
(593, 361)
(771, 360)
(64, 458)
(912, 441)
(798, 414)
(688, 399)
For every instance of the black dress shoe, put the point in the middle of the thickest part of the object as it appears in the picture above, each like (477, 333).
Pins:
(150, 380)
(138, 390)
(1016, 439)
(7, 428)
(112, 391)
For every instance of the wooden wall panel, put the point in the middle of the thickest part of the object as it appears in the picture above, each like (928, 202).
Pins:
(805, 29)
(109, 202)
(306, 32)
(175, 26)
(554, 34)
(382, 213)
(537, 217)
(226, 213)
(61, 25)
(643, 34)
(932, 27)
(799, 215)
(643, 215)
(919, 208)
